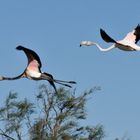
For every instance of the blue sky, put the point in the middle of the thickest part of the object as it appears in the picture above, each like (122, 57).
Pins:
(54, 30)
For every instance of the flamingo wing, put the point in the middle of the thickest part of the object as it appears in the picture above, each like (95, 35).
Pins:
(133, 36)
(106, 37)
(137, 33)
(34, 62)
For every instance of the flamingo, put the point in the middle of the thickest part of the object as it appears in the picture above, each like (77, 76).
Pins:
(129, 43)
(33, 70)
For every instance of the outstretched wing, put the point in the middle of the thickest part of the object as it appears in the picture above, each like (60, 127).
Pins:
(106, 37)
(34, 62)
(133, 36)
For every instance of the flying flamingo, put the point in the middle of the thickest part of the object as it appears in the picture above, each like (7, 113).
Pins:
(33, 70)
(129, 43)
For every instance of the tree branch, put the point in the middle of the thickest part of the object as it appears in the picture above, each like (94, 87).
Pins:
(5, 135)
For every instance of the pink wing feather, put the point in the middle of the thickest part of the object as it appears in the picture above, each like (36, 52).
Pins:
(130, 37)
(133, 36)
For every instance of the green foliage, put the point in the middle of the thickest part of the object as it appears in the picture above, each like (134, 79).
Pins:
(51, 117)
(15, 114)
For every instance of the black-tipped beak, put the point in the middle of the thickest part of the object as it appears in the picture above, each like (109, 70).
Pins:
(80, 45)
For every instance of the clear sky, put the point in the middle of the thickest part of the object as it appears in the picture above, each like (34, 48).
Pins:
(54, 29)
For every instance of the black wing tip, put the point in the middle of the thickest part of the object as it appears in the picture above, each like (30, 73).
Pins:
(138, 26)
(106, 37)
(102, 32)
(19, 47)
(137, 33)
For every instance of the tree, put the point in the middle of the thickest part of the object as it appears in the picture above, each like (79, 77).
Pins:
(51, 117)
(124, 137)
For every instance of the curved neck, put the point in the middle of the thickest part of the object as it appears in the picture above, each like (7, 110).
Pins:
(106, 49)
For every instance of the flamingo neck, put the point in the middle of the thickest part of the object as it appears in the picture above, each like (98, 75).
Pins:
(104, 49)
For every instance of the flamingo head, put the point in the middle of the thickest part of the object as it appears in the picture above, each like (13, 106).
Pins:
(86, 43)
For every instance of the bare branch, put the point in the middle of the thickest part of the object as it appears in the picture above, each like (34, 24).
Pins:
(2, 133)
